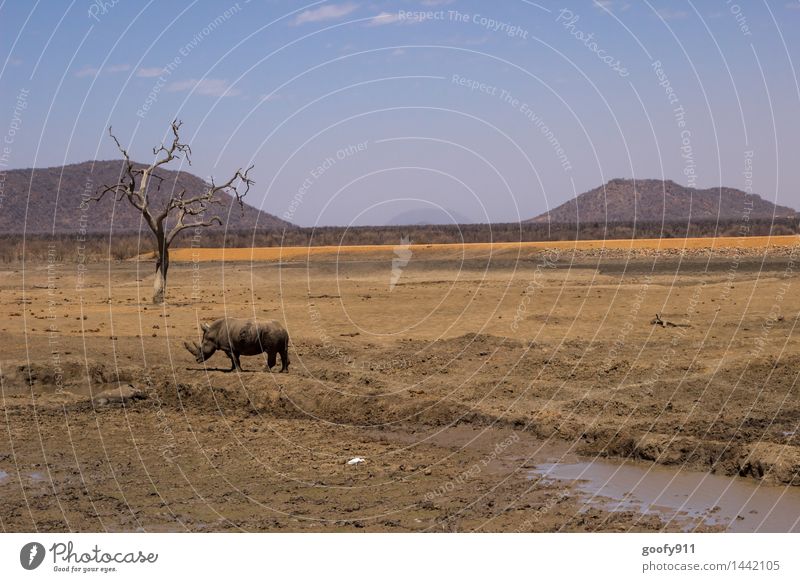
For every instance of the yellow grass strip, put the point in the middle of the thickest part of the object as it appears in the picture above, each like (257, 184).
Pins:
(301, 253)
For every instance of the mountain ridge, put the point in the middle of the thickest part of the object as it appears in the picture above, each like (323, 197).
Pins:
(57, 200)
(653, 200)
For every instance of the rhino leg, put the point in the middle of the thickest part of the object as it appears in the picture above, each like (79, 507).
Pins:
(193, 348)
(284, 360)
(235, 364)
(272, 358)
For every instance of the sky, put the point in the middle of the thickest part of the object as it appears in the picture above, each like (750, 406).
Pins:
(362, 112)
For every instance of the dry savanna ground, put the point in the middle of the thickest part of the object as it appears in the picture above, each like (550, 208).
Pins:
(452, 370)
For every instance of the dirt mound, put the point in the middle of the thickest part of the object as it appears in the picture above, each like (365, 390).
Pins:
(71, 375)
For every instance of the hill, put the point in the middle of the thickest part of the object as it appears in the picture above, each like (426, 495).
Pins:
(47, 200)
(656, 201)
(426, 216)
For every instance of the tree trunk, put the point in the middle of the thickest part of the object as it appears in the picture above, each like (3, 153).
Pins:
(162, 265)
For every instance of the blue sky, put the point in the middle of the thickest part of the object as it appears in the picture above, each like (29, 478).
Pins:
(356, 112)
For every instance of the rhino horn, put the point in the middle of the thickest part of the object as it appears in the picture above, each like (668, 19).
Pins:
(193, 348)
(205, 326)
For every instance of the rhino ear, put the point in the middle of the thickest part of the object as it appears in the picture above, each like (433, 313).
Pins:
(205, 327)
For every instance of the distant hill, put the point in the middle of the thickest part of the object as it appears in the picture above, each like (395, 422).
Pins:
(656, 200)
(53, 197)
(425, 216)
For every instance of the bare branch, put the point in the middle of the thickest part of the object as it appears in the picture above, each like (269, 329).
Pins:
(244, 178)
(117, 189)
(125, 186)
(175, 150)
(119, 147)
(180, 225)
(157, 177)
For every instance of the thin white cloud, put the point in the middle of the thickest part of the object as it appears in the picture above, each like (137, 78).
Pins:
(210, 87)
(469, 41)
(384, 18)
(326, 12)
(89, 71)
(149, 71)
(14, 62)
(793, 5)
(667, 14)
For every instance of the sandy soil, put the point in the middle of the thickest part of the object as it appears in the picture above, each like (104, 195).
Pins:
(452, 375)
(724, 243)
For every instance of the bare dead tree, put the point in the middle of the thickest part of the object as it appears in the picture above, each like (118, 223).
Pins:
(178, 212)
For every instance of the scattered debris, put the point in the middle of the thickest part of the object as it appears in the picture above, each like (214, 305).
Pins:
(665, 323)
(121, 395)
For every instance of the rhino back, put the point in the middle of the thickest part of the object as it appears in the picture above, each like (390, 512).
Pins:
(227, 331)
(247, 337)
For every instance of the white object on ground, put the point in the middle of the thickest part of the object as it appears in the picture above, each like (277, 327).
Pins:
(356, 461)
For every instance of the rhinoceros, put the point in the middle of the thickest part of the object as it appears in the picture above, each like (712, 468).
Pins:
(242, 337)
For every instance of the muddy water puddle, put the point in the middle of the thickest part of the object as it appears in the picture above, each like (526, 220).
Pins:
(678, 495)
(681, 497)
